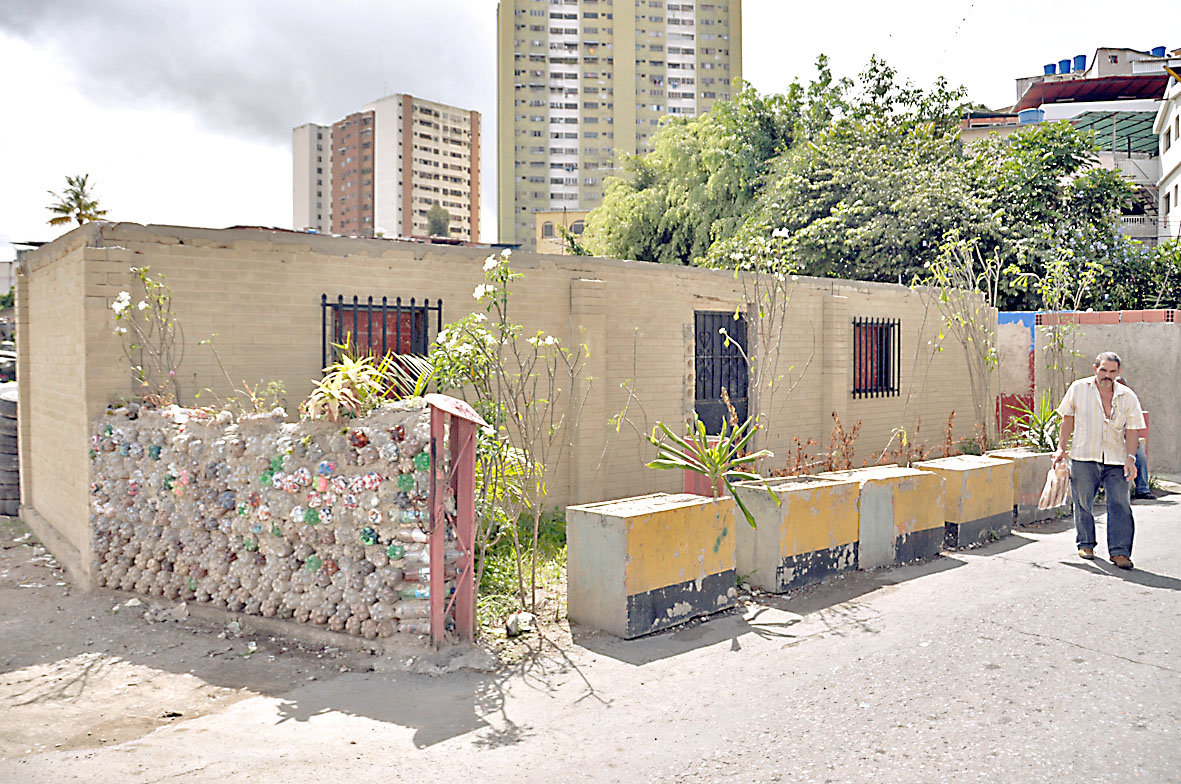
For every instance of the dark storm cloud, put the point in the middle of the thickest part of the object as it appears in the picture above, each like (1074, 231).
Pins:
(257, 68)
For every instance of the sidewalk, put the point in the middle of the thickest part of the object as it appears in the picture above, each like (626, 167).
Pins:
(1016, 662)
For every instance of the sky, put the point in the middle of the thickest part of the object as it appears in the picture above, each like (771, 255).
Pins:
(181, 112)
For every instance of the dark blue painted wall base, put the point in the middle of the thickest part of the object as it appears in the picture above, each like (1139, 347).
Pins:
(986, 529)
(808, 568)
(918, 545)
(658, 609)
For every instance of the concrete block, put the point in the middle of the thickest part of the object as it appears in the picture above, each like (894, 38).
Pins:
(639, 565)
(977, 497)
(900, 514)
(810, 534)
(1029, 478)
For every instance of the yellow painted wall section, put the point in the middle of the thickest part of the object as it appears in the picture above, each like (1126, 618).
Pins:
(977, 487)
(818, 518)
(918, 502)
(677, 545)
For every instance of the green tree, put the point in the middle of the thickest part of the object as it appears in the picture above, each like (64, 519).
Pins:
(438, 221)
(1045, 197)
(1139, 278)
(867, 199)
(697, 183)
(75, 203)
(694, 195)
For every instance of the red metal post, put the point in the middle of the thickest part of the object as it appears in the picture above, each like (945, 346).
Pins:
(438, 529)
(463, 479)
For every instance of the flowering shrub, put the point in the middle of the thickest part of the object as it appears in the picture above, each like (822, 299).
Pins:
(152, 339)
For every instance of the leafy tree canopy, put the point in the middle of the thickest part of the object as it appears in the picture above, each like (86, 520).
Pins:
(865, 179)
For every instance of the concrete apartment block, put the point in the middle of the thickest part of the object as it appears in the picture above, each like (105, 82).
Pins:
(977, 497)
(1029, 478)
(260, 291)
(378, 171)
(579, 85)
(900, 514)
(639, 565)
(811, 533)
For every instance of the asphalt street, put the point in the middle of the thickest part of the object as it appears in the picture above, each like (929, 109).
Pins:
(1015, 662)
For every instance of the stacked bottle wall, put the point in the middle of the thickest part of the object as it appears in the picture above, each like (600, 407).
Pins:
(317, 522)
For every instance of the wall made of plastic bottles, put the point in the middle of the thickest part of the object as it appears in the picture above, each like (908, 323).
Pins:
(311, 521)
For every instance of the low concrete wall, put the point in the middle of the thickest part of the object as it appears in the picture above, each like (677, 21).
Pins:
(900, 513)
(977, 497)
(811, 533)
(1029, 479)
(639, 565)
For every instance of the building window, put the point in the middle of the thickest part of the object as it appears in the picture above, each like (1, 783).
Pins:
(577, 227)
(377, 326)
(547, 229)
(719, 362)
(876, 357)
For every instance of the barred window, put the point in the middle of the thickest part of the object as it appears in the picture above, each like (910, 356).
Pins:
(876, 357)
(377, 327)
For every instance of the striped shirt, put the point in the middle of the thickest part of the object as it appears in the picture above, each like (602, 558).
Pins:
(1097, 437)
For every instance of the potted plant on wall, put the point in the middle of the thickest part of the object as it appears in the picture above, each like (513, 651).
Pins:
(719, 459)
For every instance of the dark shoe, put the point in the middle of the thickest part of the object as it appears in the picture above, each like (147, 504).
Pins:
(1122, 561)
(1143, 497)
(1087, 553)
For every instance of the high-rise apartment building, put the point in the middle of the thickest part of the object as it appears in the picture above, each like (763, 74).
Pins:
(378, 171)
(581, 82)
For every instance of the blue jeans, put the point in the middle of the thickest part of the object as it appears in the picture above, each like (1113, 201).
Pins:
(1085, 478)
(1141, 470)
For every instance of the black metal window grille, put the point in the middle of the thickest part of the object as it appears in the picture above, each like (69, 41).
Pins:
(876, 357)
(719, 365)
(377, 328)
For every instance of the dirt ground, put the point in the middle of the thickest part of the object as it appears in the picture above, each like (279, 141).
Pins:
(81, 671)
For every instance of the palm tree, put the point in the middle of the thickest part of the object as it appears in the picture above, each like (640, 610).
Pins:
(74, 203)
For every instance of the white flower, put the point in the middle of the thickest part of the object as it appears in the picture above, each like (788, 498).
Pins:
(506, 252)
(781, 232)
(120, 330)
(142, 305)
(490, 263)
(483, 290)
(549, 340)
(479, 317)
(121, 303)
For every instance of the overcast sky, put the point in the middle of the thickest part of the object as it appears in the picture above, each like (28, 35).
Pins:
(182, 111)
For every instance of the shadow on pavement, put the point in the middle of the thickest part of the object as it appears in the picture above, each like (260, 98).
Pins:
(437, 708)
(1137, 576)
(828, 607)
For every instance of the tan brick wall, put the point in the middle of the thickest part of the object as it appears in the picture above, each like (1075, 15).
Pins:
(52, 368)
(257, 295)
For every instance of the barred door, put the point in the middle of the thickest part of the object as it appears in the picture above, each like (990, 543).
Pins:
(719, 364)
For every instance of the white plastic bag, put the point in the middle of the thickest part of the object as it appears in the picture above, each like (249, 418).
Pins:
(1057, 488)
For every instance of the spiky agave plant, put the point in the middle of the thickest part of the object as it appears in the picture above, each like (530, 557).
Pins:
(721, 457)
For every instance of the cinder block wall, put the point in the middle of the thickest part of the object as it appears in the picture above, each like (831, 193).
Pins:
(1151, 364)
(256, 294)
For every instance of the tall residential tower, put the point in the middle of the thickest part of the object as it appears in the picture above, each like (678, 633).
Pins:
(582, 82)
(378, 171)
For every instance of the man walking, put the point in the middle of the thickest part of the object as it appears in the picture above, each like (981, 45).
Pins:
(1105, 419)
